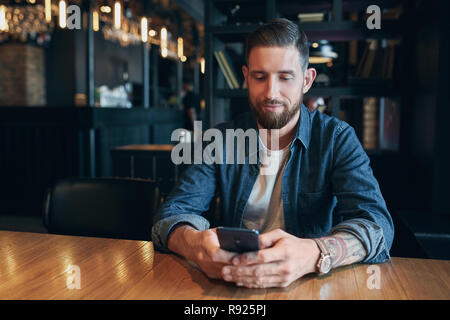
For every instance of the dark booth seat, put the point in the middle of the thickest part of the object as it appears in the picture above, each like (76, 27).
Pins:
(102, 207)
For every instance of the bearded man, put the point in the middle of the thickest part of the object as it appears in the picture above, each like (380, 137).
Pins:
(321, 208)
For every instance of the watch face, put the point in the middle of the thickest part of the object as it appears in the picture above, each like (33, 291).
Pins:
(326, 264)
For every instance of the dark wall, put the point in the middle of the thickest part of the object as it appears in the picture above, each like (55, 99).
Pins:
(428, 161)
(441, 174)
(60, 68)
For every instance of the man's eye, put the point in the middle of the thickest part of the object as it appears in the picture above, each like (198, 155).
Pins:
(286, 78)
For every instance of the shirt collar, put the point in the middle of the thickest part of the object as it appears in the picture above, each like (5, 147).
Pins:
(303, 131)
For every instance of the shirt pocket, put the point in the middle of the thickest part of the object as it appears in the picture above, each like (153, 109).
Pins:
(315, 213)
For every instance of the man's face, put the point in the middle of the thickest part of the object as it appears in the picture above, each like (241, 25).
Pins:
(275, 83)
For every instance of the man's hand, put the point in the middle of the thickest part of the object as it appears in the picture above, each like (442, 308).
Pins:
(201, 247)
(283, 258)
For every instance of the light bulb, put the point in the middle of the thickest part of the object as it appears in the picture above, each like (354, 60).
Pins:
(3, 21)
(202, 65)
(180, 47)
(62, 14)
(164, 42)
(144, 29)
(117, 15)
(95, 21)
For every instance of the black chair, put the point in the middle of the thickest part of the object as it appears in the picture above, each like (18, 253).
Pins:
(119, 208)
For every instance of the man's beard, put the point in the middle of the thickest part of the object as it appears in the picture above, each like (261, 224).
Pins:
(273, 120)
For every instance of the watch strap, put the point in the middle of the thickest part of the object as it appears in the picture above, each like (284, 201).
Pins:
(323, 254)
(321, 246)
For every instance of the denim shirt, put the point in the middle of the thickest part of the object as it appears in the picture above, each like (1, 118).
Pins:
(327, 187)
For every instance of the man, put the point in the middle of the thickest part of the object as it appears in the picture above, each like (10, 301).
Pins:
(191, 105)
(321, 209)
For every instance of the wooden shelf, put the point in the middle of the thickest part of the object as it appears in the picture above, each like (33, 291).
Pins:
(353, 91)
(349, 30)
(286, 7)
(332, 31)
(231, 33)
(233, 1)
(350, 91)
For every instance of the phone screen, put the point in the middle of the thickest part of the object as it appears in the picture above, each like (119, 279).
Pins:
(238, 239)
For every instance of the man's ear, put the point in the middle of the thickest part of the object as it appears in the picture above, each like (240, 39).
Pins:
(310, 75)
(245, 72)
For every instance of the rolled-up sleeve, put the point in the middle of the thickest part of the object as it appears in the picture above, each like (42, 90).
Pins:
(360, 204)
(186, 203)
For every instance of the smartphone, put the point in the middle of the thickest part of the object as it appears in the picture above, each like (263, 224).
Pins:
(238, 239)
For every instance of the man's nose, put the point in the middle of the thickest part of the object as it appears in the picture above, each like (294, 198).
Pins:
(272, 88)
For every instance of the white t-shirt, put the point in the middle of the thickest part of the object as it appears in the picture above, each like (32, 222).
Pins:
(264, 211)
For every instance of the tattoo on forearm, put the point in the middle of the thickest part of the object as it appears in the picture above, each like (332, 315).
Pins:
(344, 248)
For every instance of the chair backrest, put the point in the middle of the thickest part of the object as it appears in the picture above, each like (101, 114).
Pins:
(102, 207)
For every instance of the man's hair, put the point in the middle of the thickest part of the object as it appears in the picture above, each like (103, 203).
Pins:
(279, 33)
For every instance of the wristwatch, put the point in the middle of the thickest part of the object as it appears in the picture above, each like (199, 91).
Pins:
(324, 263)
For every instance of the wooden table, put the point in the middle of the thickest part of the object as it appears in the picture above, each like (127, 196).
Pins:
(36, 266)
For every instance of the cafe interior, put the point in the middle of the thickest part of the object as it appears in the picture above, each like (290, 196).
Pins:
(91, 92)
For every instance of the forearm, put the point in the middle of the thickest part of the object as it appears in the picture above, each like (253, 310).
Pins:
(163, 228)
(370, 234)
(178, 240)
(344, 248)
